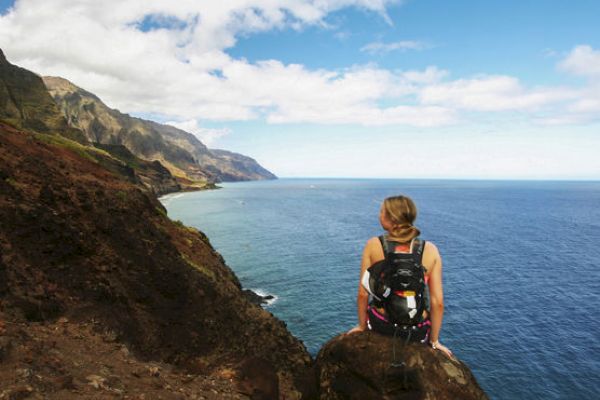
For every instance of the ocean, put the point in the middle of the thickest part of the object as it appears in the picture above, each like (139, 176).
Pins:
(521, 266)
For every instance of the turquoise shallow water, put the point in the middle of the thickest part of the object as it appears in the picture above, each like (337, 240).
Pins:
(521, 266)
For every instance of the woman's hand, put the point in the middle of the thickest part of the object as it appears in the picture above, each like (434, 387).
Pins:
(355, 329)
(438, 346)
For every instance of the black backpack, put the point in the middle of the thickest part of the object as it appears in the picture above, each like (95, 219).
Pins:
(398, 283)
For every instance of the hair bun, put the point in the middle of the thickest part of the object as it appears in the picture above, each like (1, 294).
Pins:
(401, 212)
(405, 232)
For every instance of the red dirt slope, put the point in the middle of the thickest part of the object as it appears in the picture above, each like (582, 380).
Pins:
(82, 243)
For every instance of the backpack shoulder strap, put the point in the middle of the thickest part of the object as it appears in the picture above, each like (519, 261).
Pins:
(418, 248)
(384, 245)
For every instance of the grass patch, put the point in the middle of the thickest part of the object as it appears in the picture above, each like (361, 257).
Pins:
(122, 153)
(201, 268)
(122, 195)
(87, 152)
(12, 183)
(184, 227)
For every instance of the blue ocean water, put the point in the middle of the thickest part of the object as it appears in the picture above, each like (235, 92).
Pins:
(521, 266)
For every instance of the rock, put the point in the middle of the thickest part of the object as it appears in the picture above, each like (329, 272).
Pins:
(5, 347)
(154, 371)
(18, 393)
(96, 381)
(255, 298)
(361, 366)
(257, 379)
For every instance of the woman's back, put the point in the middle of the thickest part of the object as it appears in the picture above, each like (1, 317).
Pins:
(396, 216)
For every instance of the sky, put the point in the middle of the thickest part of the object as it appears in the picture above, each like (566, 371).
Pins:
(341, 88)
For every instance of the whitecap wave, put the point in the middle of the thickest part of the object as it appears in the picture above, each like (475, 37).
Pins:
(262, 293)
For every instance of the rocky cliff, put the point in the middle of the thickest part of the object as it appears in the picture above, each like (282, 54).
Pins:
(234, 166)
(181, 152)
(25, 103)
(85, 250)
(100, 290)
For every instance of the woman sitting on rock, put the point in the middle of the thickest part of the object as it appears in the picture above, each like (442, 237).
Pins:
(400, 291)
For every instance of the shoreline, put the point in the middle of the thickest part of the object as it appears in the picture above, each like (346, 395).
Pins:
(210, 186)
(255, 296)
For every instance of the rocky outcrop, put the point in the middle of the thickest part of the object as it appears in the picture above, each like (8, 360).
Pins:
(181, 152)
(256, 298)
(362, 366)
(82, 243)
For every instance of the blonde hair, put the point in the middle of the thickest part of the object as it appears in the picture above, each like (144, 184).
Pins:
(401, 212)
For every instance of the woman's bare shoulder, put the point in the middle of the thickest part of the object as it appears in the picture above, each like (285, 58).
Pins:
(372, 248)
(431, 248)
(431, 256)
(374, 241)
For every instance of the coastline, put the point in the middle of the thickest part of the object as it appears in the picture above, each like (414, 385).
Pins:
(254, 296)
(168, 193)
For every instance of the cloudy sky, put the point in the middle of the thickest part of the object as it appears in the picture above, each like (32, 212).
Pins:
(341, 88)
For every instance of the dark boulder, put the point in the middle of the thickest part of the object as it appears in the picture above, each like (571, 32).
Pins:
(362, 366)
(256, 298)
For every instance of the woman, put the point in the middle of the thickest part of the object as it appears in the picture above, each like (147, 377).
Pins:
(397, 216)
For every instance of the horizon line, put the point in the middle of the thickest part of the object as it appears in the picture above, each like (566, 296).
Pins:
(505, 179)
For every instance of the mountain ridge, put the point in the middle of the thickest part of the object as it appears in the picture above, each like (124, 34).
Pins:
(182, 153)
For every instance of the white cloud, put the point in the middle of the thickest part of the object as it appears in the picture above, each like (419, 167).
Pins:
(206, 135)
(492, 93)
(584, 61)
(550, 53)
(429, 75)
(177, 66)
(403, 45)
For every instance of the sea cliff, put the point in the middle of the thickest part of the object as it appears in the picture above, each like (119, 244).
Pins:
(84, 250)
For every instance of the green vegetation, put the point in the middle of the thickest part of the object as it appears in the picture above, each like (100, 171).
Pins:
(186, 228)
(12, 182)
(122, 153)
(87, 152)
(200, 268)
(122, 195)
(25, 101)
